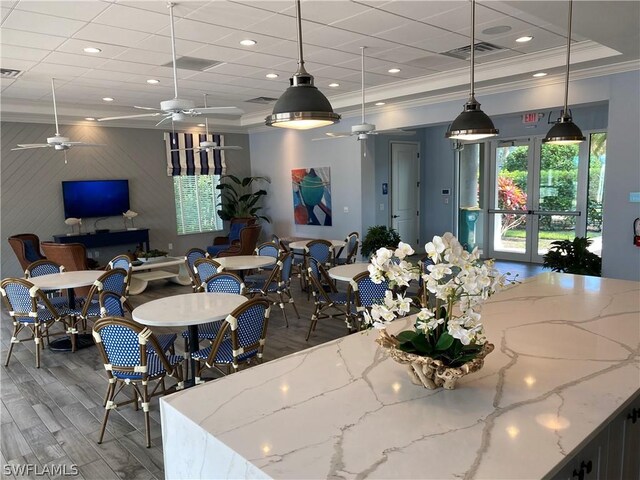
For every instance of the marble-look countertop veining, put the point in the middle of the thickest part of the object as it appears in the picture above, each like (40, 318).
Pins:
(566, 359)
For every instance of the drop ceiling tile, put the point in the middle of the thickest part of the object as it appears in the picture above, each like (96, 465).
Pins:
(161, 43)
(262, 60)
(406, 71)
(5, 82)
(370, 22)
(31, 40)
(235, 15)
(442, 44)
(495, 56)
(22, 53)
(180, 10)
(40, 23)
(233, 69)
(373, 44)
(110, 75)
(197, 31)
(460, 18)
(77, 10)
(411, 33)
(370, 63)
(331, 11)
(332, 37)
(277, 26)
(133, 19)
(419, 10)
(437, 62)
(112, 35)
(74, 45)
(216, 52)
(126, 67)
(63, 72)
(265, 42)
(336, 73)
(144, 56)
(287, 48)
(28, 91)
(61, 58)
(17, 64)
(401, 54)
(167, 72)
(4, 12)
(332, 57)
(272, 6)
(372, 79)
(8, 3)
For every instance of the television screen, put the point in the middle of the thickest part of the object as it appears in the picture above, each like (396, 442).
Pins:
(95, 198)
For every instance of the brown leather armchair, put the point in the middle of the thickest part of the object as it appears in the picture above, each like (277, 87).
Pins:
(73, 256)
(27, 248)
(221, 243)
(247, 243)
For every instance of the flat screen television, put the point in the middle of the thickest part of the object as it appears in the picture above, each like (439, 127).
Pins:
(95, 198)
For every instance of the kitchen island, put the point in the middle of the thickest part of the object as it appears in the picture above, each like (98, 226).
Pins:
(562, 383)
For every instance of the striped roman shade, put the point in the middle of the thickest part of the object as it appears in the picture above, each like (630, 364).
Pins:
(190, 162)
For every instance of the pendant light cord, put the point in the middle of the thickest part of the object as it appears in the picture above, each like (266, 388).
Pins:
(565, 112)
(362, 48)
(55, 109)
(473, 47)
(170, 5)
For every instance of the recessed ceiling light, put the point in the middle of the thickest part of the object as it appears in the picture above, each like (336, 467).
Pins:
(525, 39)
(497, 30)
(201, 125)
(380, 103)
(153, 81)
(394, 70)
(107, 99)
(334, 85)
(272, 75)
(247, 42)
(92, 50)
(540, 74)
(90, 119)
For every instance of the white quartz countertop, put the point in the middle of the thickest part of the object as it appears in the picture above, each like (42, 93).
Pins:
(566, 359)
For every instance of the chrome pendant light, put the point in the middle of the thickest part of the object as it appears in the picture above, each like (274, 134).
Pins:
(565, 132)
(472, 123)
(302, 106)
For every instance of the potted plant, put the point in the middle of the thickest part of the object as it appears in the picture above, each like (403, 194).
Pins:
(573, 256)
(237, 198)
(379, 236)
(447, 340)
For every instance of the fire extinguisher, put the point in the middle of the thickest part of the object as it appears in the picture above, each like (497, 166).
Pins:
(636, 232)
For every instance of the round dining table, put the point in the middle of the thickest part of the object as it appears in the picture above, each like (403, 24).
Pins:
(242, 263)
(68, 280)
(300, 244)
(345, 273)
(188, 310)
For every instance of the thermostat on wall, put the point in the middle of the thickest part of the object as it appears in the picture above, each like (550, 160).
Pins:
(446, 191)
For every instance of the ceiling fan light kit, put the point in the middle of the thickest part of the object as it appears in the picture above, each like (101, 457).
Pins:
(564, 131)
(302, 106)
(472, 124)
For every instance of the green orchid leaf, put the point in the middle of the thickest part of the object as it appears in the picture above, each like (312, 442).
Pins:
(444, 342)
(406, 336)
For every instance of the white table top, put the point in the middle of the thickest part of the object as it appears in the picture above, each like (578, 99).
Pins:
(245, 262)
(563, 365)
(80, 278)
(187, 309)
(346, 273)
(300, 244)
(161, 263)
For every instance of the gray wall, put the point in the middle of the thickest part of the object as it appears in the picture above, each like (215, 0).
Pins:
(32, 195)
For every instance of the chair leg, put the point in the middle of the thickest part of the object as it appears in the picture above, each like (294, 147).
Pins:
(106, 395)
(284, 312)
(145, 408)
(292, 302)
(107, 408)
(16, 329)
(37, 338)
(312, 325)
(187, 356)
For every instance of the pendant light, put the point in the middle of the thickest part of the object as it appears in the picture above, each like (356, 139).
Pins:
(565, 132)
(302, 106)
(472, 123)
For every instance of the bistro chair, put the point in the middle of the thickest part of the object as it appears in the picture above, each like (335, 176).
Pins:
(190, 257)
(319, 250)
(31, 310)
(276, 287)
(240, 339)
(124, 262)
(47, 267)
(203, 269)
(352, 243)
(133, 357)
(362, 294)
(326, 297)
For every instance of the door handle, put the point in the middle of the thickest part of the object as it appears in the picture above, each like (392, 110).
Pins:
(395, 216)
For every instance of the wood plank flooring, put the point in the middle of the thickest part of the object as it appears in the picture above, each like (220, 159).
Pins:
(50, 417)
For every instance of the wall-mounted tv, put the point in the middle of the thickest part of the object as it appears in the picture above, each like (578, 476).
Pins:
(95, 198)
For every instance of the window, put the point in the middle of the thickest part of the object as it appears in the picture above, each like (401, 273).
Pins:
(196, 208)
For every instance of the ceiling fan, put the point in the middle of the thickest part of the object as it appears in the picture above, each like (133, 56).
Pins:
(207, 145)
(58, 142)
(365, 129)
(177, 109)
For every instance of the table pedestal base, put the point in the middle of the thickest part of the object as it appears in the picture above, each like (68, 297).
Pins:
(84, 340)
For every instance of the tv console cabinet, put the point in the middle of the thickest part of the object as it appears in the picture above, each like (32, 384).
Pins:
(107, 239)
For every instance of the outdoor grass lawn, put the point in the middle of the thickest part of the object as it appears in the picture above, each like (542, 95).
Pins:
(543, 235)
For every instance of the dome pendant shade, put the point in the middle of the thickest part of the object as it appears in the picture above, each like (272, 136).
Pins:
(564, 132)
(302, 106)
(471, 124)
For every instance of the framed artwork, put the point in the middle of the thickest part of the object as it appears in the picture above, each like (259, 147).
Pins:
(311, 196)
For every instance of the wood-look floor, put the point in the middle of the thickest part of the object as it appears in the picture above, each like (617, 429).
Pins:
(52, 415)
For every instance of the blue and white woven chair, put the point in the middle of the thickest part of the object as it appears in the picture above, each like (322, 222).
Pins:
(321, 251)
(30, 309)
(326, 297)
(205, 268)
(362, 294)
(266, 249)
(123, 262)
(190, 257)
(241, 339)
(47, 267)
(223, 282)
(352, 244)
(125, 348)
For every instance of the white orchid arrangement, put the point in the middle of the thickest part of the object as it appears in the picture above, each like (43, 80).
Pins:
(456, 284)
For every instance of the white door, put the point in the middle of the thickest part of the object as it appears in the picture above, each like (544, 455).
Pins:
(405, 191)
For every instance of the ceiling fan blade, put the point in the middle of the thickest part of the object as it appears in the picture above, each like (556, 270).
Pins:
(122, 117)
(147, 108)
(338, 134)
(329, 138)
(395, 131)
(26, 146)
(167, 117)
(207, 110)
(195, 149)
(83, 144)
(226, 147)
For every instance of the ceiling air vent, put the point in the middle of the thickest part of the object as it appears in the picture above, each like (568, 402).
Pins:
(262, 100)
(481, 48)
(9, 73)
(192, 63)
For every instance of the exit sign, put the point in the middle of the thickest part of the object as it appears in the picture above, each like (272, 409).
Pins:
(529, 118)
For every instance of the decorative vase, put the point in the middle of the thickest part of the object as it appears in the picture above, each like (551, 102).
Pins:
(428, 372)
